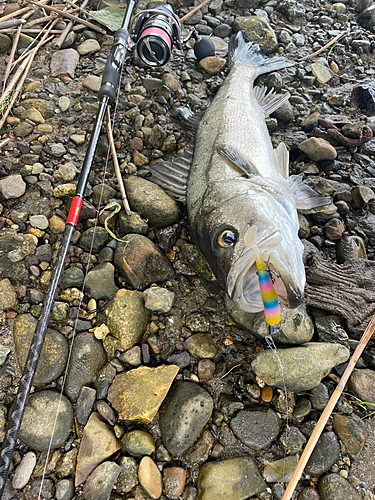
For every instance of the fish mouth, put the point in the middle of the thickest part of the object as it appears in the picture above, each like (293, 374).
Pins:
(243, 283)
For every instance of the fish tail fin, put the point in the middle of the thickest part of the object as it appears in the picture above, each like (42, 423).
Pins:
(249, 52)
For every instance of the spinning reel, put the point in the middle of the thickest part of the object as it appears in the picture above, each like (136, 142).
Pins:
(154, 32)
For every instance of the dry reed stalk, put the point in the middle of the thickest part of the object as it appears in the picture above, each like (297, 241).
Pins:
(11, 56)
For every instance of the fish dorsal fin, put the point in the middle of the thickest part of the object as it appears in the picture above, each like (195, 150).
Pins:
(234, 156)
(172, 175)
(304, 196)
(189, 119)
(269, 102)
(282, 160)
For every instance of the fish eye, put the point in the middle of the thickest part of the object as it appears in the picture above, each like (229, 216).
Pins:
(227, 238)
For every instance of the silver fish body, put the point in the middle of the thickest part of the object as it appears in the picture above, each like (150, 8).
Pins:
(237, 181)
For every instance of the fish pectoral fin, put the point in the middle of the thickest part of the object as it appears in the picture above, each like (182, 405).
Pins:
(172, 175)
(282, 160)
(269, 102)
(234, 156)
(304, 196)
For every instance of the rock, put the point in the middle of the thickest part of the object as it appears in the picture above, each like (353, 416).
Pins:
(212, 64)
(151, 202)
(352, 431)
(199, 451)
(206, 369)
(68, 463)
(85, 402)
(99, 236)
(284, 113)
(93, 83)
(296, 325)
(39, 422)
(350, 247)
(302, 409)
(88, 46)
(5, 43)
(56, 224)
(141, 262)
(334, 229)
(158, 299)
(257, 427)
(308, 493)
(133, 356)
(319, 397)
(45, 107)
(318, 149)
(73, 277)
(62, 190)
(100, 482)
(150, 478)
(322, 71)
(231, 479)
(100, 282)
(183, 415)
(127, 318)
(64, 103)
(293, 11)
(329, 329)
(8, 296)
(363, 95)
(54, 353)
(362, 383)
(24, 470)
(137, 394)
(64, 62)
(292, 440)
(197, 322)
(258, 30)
(174, 479)
(325, 454)
(87, 358)
(280, 471)
(201, 345)
(23, 129)
(128, 477)
(138, 443)
(12, 186)
(39, 221)
(311, 121)
(64, 489)
(303, 367)
(335, 487)
(362, 196)
(34, 115)
(133, 223)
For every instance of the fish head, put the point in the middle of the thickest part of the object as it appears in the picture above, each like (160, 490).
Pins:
(222, 236)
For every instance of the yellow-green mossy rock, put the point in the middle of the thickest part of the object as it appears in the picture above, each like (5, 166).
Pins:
(137, 394)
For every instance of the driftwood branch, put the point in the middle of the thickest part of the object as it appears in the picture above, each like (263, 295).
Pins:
(345, 289)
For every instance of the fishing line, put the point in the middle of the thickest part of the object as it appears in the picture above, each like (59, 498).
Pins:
(82, 292)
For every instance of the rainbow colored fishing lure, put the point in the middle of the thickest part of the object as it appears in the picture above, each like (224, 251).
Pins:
(271, 303)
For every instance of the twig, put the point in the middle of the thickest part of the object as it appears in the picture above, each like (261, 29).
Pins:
(14, 14)
(70, 16)
(328, 410)
(11, 23)
(228, 372)
(36, 30)
(194, 10)
(11, 56)
(322, 49)
(81, 9)
(39, 20)
(58, 43)
(115, 162)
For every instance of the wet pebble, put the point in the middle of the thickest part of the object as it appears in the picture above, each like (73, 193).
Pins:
(98, 443)
(303, 367)
(302, 409)
(334, 229)
(292, 440)
(128, 477)
(257, 427)
(137, 394)
(318, 149)
(150, 478)
(258, 30)
(64, 62)
(8, 296)
(329, 329)
(206, 369)
(335, 487)
(12, 186)
(158, 299)
(88, 46)
(183, 415)
(308, 493)
(39, 418)
(87, 358)
(230, 479)
(138, 443)
(127, 318)
(280, 471)
(174, 479)
(324, 455)
(100, 282)
(362, 383)
(73, 277)
(100, 482)
(94, 238)
(133, 223)
(141, 262)
(64, 489)
(352, 431)
(85, 402)
(24, 470)
(319, 397)
(201, 345)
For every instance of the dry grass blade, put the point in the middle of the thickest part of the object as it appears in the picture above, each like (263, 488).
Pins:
(11, 56)
(322, 49)
(71, 16)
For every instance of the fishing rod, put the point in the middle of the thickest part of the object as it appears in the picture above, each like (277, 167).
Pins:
(151, 35)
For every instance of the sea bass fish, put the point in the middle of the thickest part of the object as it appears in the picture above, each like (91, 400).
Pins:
(237, 180)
